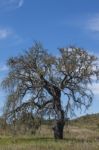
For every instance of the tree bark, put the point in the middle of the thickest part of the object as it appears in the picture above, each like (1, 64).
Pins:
(55, 92)
(58, 129)
(60, 121)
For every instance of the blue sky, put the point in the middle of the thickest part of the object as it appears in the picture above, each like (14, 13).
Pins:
(56, 23)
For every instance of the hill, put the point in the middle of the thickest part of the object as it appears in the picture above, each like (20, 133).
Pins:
(91, 120)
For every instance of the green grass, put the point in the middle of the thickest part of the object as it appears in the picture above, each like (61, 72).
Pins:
(47, 144)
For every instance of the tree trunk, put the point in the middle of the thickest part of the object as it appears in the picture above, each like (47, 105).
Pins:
(55, 92)
(59, 122)
(58, 129)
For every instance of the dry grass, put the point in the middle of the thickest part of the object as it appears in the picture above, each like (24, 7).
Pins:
(75, 138)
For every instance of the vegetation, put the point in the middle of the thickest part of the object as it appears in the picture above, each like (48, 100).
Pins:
(87, 121)
(77, 136)
(37, 80)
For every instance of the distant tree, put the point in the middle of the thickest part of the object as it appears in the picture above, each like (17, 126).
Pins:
(3, 123)
(28, 122)
(37, 80)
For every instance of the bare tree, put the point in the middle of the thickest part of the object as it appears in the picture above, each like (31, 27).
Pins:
(37, 80)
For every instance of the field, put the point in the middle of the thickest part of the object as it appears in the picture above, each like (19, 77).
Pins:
(79, 135)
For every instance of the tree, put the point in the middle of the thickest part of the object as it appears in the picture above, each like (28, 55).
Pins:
(37, 80)
(26, 122)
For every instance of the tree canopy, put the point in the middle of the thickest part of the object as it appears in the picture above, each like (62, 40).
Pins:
(37, 80)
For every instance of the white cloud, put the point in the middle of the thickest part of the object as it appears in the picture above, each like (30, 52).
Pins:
(93, 23)
(21, 3)
(94, 88)
(11, 4)
(10, 36)
(15, 3)
(4, 33)
(3, 68)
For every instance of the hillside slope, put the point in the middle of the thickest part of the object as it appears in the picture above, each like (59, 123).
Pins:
(87, 121)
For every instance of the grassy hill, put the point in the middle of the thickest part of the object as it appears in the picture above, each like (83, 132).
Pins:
(89, 121)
